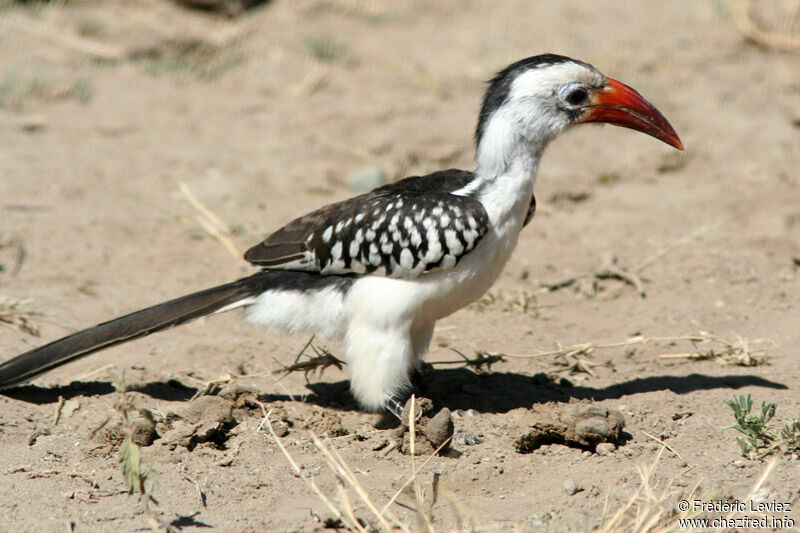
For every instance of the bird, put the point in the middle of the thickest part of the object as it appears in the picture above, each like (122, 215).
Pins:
(377, 271)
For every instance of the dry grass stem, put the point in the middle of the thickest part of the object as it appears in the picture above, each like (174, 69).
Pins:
(207, 387)
(211, 223)
(667, 446)
(41, 29)
(672, 246)
(413, 475)
(309, 481)
(91, 373)
(743, 19)
(646, 510)
(759, 482)
(57, 413)
(345, 477)
(412, 433)
(200, 494)
(608, 269)
(344, 473)
(16, 315)
(314, 364)
(482, 359)
(738, 352)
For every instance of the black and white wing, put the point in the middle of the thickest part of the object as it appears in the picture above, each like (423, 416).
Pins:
(401, 230)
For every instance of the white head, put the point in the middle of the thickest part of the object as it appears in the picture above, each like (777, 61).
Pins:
(531, 101)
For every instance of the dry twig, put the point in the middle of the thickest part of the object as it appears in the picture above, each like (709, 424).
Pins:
(738, 352)
(308, 480)
(608, 269)
(317, 363)
(57, 413)
(211, 223)
(743, 19)
(733, 353)
(482, 359)
(15, 315)
(44, 30)
(667, 446)
(647, 509)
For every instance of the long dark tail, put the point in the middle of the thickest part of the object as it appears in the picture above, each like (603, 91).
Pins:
(164, 315)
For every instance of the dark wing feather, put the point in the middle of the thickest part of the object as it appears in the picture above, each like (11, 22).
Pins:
(400, 230)
(531, 211)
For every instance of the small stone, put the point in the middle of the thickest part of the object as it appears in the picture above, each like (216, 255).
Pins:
(467, 439)
(381, 444)
(469, 413)
(326, 423)
(33, 123)
(605, 448)
(208, 418)
(144, 433)
(440, 428)
(238, 394)
(422, 407)
(571, 487)
(209, 409)
(367, 179)
(69, 408)
(280, 428)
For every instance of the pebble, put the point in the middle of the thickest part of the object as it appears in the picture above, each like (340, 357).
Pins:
(469, 413)
(466, 439)
(571, 487)
(367, 179)
(33, 123)
(605, 448)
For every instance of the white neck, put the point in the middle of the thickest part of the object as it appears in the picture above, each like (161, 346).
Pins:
(507, 160)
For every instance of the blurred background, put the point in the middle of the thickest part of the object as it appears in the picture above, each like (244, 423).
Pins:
(117, 118)
(145, 144)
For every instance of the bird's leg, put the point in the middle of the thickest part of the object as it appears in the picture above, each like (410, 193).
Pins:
(421, 385)
(394, 407)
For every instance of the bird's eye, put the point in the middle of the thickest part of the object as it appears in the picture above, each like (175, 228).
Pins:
(576, 96)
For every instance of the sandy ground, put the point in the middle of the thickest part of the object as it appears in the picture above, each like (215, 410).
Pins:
(107, 107)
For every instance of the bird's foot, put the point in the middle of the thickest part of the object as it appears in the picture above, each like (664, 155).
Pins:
(421, 386)
(395, 404)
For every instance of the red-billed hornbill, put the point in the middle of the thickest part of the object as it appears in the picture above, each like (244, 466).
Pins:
(378, 270)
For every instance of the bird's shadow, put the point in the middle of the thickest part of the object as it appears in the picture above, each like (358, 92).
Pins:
(171, 390)
(188, 521)
(500, 392)
(488, 392)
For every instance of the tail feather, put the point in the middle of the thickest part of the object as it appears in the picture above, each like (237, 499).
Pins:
(138, 324)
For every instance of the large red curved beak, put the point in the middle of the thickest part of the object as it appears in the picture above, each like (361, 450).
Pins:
(618, 104)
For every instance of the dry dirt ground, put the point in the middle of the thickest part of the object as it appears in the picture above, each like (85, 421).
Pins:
(106, 108)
